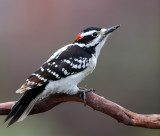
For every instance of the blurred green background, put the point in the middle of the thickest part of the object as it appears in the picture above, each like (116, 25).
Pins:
(128, 70)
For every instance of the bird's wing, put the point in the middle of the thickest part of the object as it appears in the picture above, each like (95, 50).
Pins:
(63, 64)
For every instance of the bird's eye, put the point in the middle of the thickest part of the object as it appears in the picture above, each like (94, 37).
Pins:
(95, 34)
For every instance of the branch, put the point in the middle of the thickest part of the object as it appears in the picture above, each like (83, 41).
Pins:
(96, 102)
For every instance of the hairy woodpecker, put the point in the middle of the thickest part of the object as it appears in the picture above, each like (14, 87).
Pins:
(62, 72)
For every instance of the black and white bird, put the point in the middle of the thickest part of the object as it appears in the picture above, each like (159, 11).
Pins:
(62, 72)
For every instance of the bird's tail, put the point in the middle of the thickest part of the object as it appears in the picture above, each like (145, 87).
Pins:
(22, 108)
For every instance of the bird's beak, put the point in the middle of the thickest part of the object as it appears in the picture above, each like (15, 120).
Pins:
(108, 30)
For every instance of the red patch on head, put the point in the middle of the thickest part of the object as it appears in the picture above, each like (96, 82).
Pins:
(78, 37)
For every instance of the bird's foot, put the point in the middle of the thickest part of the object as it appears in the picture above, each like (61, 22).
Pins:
(83, 92)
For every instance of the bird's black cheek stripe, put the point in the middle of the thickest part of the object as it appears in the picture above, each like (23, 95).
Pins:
(86, 39)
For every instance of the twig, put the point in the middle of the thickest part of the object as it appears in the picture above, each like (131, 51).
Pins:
(96, 102)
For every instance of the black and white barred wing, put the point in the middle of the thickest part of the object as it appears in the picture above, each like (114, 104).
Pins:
(65, 63)
(35, 80)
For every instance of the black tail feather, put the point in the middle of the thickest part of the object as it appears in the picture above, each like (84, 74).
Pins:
(16, 116)
(17, 110)
(14, 109)
(20, 107)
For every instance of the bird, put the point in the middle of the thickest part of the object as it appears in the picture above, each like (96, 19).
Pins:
(62, 72)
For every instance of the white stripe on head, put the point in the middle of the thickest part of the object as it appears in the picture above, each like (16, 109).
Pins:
(88, 33)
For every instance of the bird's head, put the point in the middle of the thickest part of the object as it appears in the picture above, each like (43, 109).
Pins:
(94, 37)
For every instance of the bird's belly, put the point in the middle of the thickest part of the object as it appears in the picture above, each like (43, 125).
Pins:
(69, 84)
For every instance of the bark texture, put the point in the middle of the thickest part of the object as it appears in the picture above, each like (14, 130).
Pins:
(98, 103)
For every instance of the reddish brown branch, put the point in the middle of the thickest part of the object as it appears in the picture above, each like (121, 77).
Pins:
(96, 102)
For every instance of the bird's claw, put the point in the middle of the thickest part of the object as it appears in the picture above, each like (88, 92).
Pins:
(83, 92)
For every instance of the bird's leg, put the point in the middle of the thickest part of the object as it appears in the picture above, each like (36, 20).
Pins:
(83, 92)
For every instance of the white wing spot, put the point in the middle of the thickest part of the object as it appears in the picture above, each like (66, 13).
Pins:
(63, 69)
(28, 88)
(39, 84)
(83, 66)
(80, 61)
(75, 66)
(84, 61)
(68, 61)
(42, 69)
(55, 74)
(79, 66)
(66, 72)
(48, 70)
(76, 59)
